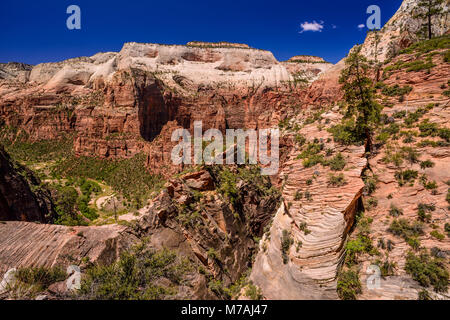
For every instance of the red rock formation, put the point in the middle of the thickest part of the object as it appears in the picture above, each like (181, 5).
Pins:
(21, 197)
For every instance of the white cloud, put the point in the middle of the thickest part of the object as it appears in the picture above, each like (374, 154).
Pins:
(361, 26)
(311, 26)
(334, 26)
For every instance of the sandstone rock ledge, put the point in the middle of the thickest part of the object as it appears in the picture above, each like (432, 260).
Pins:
(24, 244)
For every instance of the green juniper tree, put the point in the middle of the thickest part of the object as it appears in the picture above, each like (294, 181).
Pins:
(428, 10)
(359, 93)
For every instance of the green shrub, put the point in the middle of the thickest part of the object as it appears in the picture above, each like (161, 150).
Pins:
(372, 203)
(396, 90)
(406, 176)
(337, 163)
(127, 176)
(426, 164)
(395, 212)
(140, 274)
(427, 271)
(347, 133)
(423, 211)
(40, 278)
(22, 148)
(362, 244)
(387, 268)
(424, 295)
(286, 242)
(426, 46)
(253, 292)
(348, 285)
(311, 155)
(436, 234)
(370, 184)
(337, 180)
(409, 232)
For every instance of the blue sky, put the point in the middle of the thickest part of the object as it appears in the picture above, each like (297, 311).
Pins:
(35, 31)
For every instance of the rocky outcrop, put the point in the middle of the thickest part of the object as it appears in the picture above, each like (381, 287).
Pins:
(21, 196)
(191, 216)
(301, 254)
(24, 244)
(398, 33)
(15, 71)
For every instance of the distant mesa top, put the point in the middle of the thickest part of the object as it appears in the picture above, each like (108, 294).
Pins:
(222, 44)
(307, 59)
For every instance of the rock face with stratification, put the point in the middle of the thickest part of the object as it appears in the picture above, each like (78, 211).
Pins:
(21, 197)
(117, 104)
(314, 220)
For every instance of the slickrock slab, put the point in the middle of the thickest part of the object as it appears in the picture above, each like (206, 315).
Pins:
(24, 244)
(313, 259)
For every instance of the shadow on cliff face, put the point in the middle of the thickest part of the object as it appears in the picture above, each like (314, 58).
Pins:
(21, 197)
(153, 112)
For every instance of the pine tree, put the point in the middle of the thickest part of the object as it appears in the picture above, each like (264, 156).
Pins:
(359, 93)
(429, 9)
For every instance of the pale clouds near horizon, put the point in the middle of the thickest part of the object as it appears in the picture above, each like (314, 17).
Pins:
(311, 26)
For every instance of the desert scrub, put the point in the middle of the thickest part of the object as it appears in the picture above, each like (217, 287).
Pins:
(337, 163)
(22, 148)
(139, 274)
(253, 292)
(348, 285)
(387, 268)
(286, 242)
(227, 180)
(65, 199)
(409, 232)
(424, 211)
(426, 46)
(32, 281)
(396, 90)
(406, 176)
(347, 133)
(311, 154)
(126, 176)
(427, 271)
(370, 184)
(362, 244)
(337, 180)
(436, 234)
(426, 164)
(298, 195)
(371, 203)
(395, 212)
(304, 227)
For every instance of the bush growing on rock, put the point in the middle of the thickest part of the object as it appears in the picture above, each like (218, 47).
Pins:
(337, 163)
(337, 180)
(32, 281)
(427, 271)
(348, 285)
(138, 275)
(286, 242)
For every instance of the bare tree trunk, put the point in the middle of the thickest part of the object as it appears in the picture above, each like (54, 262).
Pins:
(430, 34)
